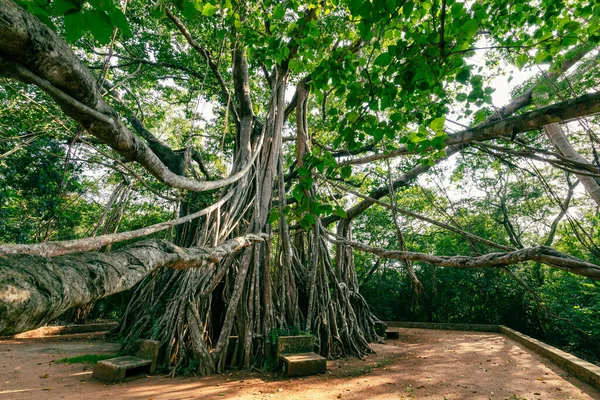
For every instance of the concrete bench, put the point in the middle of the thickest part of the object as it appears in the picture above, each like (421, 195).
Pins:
(298, 357)
(120, 368)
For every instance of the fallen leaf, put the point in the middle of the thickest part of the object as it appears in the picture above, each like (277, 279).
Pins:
(43, 376)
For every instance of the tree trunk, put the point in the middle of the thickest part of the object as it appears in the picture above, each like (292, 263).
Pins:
(34, 290)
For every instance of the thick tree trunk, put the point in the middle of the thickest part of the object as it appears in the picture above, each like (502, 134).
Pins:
(34, 289)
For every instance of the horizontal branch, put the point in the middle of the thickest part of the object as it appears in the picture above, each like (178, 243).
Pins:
(542, 254)
(34, 290)
(58, 248)
(588, 104)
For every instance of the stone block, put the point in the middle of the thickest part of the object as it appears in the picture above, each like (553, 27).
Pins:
(120, 368)
(117, 369)
(392, 335)
(295, 344)
(148, 350)
(380, 328)
(302, 364)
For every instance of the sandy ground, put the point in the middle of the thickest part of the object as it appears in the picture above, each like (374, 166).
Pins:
(422, 364)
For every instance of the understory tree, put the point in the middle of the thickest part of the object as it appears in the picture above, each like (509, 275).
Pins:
(265, 130)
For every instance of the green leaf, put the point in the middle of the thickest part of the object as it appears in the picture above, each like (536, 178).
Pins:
(521, 61)
(209, 10)
(119, 20)
(74, 26)
(294, 65)
(437, 125)
(407, 9)
(278, 11)
(470, 28)
(99, 23)
(569, 40)
(463, 76)
(346, 171)
(543, 57)
(339, 211)
(571, 26)
(479, 116)
(106, 5)
(61, 7)
(273, 216)
(383, 60)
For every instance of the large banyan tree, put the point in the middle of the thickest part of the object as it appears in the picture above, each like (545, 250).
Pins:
(318, 110)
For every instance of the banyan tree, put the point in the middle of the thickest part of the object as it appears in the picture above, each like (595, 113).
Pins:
(276, 115)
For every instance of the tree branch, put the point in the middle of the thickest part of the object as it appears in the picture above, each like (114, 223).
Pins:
(52, 249)
(543, 254)
(34, 289)
(33, 53)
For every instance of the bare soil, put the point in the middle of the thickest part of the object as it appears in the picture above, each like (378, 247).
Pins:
(422, 364)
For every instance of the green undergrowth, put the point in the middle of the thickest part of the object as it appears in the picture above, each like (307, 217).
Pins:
(86, 358)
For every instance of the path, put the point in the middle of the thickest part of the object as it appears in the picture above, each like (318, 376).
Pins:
(423, 364)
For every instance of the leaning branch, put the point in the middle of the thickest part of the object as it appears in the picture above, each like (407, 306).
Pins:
(58, 248)
(32, 53)
(542, 254)
(34, 290)
(582, 106)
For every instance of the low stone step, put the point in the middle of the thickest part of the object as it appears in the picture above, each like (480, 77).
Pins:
(392, 335)
(120, 368)
(301, 364)
(117, 369)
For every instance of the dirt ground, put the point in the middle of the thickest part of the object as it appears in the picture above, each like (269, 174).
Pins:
(422, 364)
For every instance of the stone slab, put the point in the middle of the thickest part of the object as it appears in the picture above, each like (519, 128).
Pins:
(295, 344)
(392, 335)
(115, 369)
(380, 328)
(302, 364)
(148, 350)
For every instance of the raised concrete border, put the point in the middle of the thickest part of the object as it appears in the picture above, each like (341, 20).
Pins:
(582, 370)
(65, 330)
(444, 326)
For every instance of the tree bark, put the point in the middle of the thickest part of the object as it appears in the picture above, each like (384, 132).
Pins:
(543, 254)
(34, 289)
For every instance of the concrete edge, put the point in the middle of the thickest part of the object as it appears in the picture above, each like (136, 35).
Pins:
(582, 370)
(64, 330)
(444, 326)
